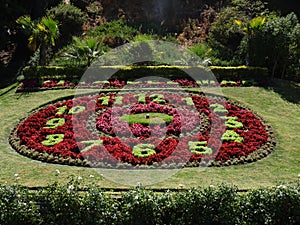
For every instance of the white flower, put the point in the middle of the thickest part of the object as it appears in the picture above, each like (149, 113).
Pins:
(57, 172)
(92, 176)
(16, 175)
(180, 185)
(79, 178)
(70, 189)
(281, 186)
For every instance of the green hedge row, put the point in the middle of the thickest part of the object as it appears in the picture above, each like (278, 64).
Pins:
(210, 206)
(135, 72)
(52, 72)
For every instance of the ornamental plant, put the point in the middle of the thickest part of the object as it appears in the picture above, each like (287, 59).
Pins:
(117, 132)
(222, 204)
(42, 34)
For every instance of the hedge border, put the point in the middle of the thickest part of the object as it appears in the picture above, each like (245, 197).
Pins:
(222, 205)
(135, 72)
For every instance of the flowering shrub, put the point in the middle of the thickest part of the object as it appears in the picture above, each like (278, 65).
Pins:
(67, 204)
(164, 129)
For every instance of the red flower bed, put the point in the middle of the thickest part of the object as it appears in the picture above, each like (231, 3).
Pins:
(89, 131)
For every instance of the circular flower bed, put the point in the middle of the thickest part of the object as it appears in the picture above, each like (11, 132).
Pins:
(149, 129)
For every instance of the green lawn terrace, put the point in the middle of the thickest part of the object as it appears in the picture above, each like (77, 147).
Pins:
(280, 166)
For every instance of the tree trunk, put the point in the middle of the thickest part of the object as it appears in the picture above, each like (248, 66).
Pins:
(42, 59)
(283, 70)
(274, 68)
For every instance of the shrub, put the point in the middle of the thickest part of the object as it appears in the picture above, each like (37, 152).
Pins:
(84, 51)
(60, 204)
(50, 72)
(276, 45)
(70, 20)
(201, 49)
(277, 205)
(196, 30)
(17, 206)
(213, 205)
(68, 204)
(225, 36)
(135, 72)
(140, 207)
(114, 33)
(81, 4)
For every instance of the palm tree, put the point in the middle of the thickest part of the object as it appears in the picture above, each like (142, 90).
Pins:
(87, 50)
(252, 30)
(42, 34)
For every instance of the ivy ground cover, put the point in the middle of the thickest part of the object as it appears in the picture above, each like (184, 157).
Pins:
(145, 129)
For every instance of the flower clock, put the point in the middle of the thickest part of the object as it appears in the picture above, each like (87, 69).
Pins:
(144, 129)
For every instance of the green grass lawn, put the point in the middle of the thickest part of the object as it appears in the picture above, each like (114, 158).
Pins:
(283, 165)
(153, 118)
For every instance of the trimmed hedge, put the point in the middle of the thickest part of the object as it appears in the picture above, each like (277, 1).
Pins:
(213, 205)
(52, 72)
(240, 72)
(135, 72)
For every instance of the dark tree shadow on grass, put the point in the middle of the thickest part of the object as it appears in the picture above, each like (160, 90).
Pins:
(288, 90)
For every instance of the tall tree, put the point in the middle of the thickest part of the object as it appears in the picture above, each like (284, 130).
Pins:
(42, 34)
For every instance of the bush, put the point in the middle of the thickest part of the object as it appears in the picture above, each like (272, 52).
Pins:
(276, 45)
(239, 72)
(17, 206)
(70, 20)
(219, 205)
(277, 205)
(81, 4)
(135, 72)
(201, 49)
(114, 34)
(50, 72)
(225, 36)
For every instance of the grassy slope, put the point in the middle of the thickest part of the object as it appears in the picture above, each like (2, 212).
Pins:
(281, 165)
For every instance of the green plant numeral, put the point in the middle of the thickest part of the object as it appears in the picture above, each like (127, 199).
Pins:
(231, 135)
(205, 82)
(141, 98)
(218, 108)
(158, 98)
(199, 147)
(188, 100)
(118, 100)
(90, 144)
(61, 110)
(61, 82)
(231, 122)
(104, 100)
(76, 109)
(55, 122)
(143, 150)
(53, 139)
